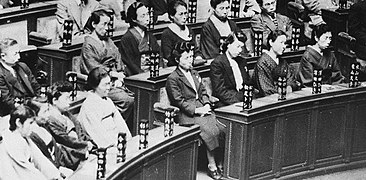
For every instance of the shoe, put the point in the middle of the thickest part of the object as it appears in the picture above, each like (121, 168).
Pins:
(220, 170)
(214, 174)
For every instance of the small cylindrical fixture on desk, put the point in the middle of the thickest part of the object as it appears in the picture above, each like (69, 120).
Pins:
(247, 96)
(67, 34)
(235, 8)
(101, 162)
(151, 18)
(72, 78)
(295, 39)
(192, 11)
(143, 133)
(317, 81)
(354, 72)
(121, 147)
(24, 4)
(282, 85)
(258, 41)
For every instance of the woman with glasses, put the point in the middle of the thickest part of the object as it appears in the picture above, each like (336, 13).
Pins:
(268, 20)
(137, 42)
(177, 31)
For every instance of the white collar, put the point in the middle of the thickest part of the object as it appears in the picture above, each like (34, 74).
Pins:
(139, 30)
(184, 34)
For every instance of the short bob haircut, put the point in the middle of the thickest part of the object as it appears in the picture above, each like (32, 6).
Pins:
(273, 36)
(321, 29)
(180, 48)
(132, 13)
(214, 3)
(95, 76)
(172, 7)
(6, 43)
(95, 16)
(22, 112)
(231, 38)
(56, 90)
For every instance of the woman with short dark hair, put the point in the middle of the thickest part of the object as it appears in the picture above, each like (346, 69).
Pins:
(318, 56)
(177, 31)
(269, 67)
(186, 91)
(98, 115)
(22, 159)
(137, 40)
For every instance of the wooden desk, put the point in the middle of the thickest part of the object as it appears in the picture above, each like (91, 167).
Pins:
(59, 59)
(303, 136)
(30, 15)
(165, 159)
(147, 92)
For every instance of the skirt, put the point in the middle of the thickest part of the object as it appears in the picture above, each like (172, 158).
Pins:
(212, 131)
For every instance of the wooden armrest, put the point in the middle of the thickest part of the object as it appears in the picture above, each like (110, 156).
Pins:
(39, 37)
(296, 6)
(79, 76)
(346, 37)
(162, 107)
(213, 99)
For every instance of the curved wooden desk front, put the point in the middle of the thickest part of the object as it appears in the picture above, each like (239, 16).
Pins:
(303, 136)
(165, 158)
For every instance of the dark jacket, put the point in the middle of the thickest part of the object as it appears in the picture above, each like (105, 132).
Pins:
(182, 95)
(11, 87)
(223, 81)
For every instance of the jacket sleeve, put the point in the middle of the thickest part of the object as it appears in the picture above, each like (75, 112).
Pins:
(226, 96)
(89, 56)
(35, 86)
(6, 97)
(207, 44)
(176, 97)
(256, 23)
(312, 6)
(264, 80)
(129, 55)
(305, 75)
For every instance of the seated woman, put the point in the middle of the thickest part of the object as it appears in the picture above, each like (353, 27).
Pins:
(186, 91)
(98, 115)
(22, 159)
(137, 40)
(318, 56)
(229, 72)
(177, 31)
(269, 67)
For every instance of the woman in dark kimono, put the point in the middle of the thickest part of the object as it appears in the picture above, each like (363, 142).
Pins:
(318, 56)
(186, 91)
(177, 31)
(137, 40)
(269, 67)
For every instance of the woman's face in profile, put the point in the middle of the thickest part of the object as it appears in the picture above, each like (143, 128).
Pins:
(142, 16)
(180, 16)
(104, 87)
(279, 45)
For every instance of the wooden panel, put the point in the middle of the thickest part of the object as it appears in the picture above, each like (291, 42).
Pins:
(157, 169)
(359, 129)
(236, 144)
(262, 140)
(180, 163)
(330, 132)
(295, 139)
